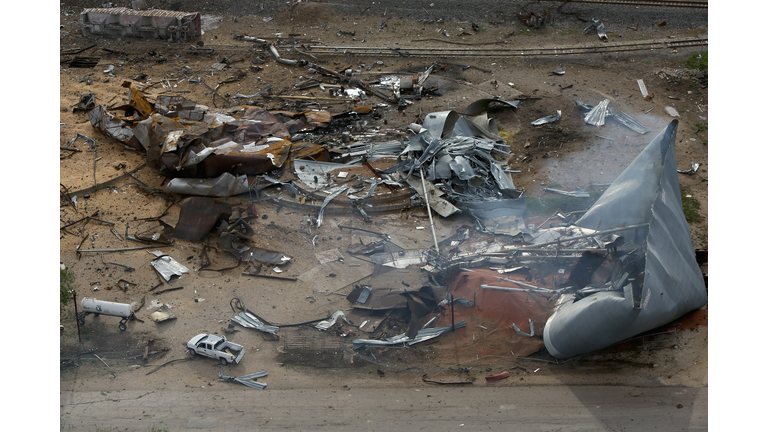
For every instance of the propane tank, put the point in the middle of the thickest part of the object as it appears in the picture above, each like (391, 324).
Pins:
(94, 306)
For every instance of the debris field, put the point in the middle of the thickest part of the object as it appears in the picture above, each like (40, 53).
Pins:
(411, 212)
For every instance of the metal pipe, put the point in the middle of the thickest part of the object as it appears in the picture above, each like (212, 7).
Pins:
(121, 250)
(429, 209)
(77, 319)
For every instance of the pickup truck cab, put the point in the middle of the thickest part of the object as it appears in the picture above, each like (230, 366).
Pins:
(216, 347)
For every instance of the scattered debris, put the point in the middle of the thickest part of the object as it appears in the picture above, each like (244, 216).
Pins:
(167, 267)
(671, 111)
(599, 28)
(547, 119)
(248, 320)
(247, 380)
(497, 377)
(694, 167)
(163, 313)
(421, 336)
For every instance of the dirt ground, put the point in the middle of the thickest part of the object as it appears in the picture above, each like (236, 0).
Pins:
(562, 155)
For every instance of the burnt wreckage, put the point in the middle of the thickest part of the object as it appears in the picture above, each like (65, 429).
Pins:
(630, 265)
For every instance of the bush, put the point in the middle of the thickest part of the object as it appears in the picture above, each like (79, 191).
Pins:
(66, 286)
(696, 61)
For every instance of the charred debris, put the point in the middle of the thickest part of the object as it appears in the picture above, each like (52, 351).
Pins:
(595, 279)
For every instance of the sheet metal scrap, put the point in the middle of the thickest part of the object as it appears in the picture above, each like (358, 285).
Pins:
(599, 28)
(328, 199)
(246, 380)
(247, 320)
(631, 123)
(578, 193)
(185, 139)
(596, 116)
(163, 313)
(694, 167)
(198, 216)
(326, 324)
(421, 336)
(457, 154)
(167, 267)
(222, 186)
(547, 119)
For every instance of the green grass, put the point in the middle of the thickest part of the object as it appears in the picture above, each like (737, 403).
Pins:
(691, 207)
(703, 240)
(526, 32)
(696, 61)
(699, 127)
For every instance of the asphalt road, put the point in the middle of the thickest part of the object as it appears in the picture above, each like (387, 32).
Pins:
(584, 408)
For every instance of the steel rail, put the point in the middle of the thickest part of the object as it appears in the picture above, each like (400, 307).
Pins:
(509, 52)
(656, 3)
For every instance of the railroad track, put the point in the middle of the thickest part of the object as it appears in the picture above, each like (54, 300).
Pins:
(656, 3)
(506, 52)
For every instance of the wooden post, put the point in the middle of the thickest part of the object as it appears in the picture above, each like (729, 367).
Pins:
(453, 325)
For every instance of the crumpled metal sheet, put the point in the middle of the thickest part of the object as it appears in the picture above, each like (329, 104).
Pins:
(247, 320)
(440, 124)
(436, 201)
(647, 192)
(185, 139)
(168, 267)
(631, 123)
(596, 116)
(547, 119)
(694, 167)
(222, 186)
(247, 380)
(163, 313)
(109, 125)
(326, 324)
(599, 28)
(328, 199)
(421, 336)
(265, 256)
(198, 216)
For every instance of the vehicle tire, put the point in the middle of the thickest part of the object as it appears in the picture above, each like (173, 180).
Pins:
(192, 352)
(223, 361)
(122, 326)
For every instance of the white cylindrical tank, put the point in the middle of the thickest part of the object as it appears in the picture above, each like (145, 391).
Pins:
(95, 306)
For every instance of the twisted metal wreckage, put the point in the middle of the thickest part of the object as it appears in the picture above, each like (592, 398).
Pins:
(626, 266)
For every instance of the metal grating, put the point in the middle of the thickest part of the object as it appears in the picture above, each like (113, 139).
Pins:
(311, 343)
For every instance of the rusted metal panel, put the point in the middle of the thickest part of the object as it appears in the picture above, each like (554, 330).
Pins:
(198, 216)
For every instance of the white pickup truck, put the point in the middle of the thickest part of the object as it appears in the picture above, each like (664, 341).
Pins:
(216, 347)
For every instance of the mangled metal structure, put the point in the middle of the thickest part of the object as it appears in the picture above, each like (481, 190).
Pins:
(148, 24)
(183, 139)
(662, 285)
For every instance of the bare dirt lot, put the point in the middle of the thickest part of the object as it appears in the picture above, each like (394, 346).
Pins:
(565, 155)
